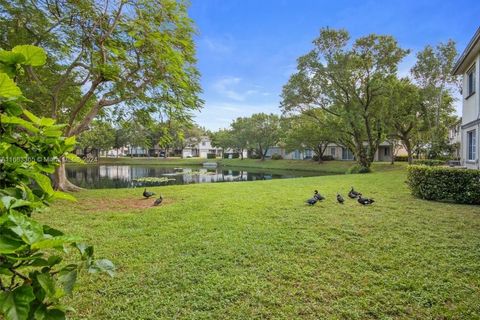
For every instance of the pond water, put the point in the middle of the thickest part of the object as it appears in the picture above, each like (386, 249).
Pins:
(131, 176)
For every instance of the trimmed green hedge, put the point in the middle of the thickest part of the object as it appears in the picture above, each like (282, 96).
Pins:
(430, 162)
(211, 155)
(444, 184)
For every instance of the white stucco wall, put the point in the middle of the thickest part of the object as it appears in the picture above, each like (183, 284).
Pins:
(470, 113)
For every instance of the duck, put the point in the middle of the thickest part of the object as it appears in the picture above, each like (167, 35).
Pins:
(312, 201)
(315, 198)
(353, 194)
(148, 194)
(158, 201)
(365, 201)
(318, 196)
(340, 199)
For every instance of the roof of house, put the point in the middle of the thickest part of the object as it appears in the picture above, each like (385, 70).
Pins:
(468, 55)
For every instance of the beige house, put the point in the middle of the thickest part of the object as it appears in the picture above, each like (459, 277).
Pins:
(338, 152)
(467, 66)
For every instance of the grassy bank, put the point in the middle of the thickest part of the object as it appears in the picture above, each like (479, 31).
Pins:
(254, 250)
(296, 165)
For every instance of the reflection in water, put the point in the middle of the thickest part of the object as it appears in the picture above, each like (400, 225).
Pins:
(123, 176)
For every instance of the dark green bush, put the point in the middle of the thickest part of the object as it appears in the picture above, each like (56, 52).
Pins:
(324, 158)
(429, 162)
(444, 184)
(277, 156)
(401, 158)
(358, 169)
(211, 155)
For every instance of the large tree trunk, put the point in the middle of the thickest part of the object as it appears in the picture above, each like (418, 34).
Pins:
(61, 181)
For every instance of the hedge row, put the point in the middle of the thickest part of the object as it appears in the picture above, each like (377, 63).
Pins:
(430, 162)
(444, 184)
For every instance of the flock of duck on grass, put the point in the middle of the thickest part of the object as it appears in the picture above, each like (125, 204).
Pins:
(352, 194)
(149, 194)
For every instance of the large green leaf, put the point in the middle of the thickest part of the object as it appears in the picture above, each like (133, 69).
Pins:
(55, 242)
(34, 56)
(9, 57)
(9, 245)
(47, 283)
(103, 265)
(8, 88)
(15, 305)
(67, 279)
(28, 229)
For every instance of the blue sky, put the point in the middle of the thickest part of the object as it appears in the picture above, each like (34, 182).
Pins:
(247, 49)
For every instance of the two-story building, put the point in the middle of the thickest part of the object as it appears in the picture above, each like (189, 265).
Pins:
(468, 66)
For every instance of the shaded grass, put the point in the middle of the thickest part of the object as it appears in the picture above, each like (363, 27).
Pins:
(255, 250)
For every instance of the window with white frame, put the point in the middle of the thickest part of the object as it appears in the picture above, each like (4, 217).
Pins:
(471, 81)
(472, 145)
(332, 151)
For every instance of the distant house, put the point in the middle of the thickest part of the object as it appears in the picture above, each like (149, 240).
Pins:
(467, 66)
(201, 149)
(338, 152)
(455, 138)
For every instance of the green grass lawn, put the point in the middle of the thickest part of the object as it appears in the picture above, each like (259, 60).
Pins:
(254, 250)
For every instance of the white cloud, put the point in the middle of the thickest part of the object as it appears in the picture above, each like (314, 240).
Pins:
(232, 88)
(216, 45)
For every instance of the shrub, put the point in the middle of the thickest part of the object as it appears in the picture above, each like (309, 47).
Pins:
(358, 169)
(255, 156)
(429, 162)
(211, 155)
(277, 156)
(33, 276)
(401, 158)
(324, 158)
(444, 184)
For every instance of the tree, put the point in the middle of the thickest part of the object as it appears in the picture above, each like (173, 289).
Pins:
(263, 131)
(100, 135)
(349, 83)
(125, 54)
(407, 118)
(433, 72)
(304, 132)
(34, 279)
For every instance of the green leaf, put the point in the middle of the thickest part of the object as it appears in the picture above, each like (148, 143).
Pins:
(67, 279)
(55, 242)
(9, 57)
(15, 305)
(9, 245)
(16, 120)
(8, 88)
(103, 265)
(47, 283)
(74, 158)
(34, 56)
(28, 229)
(64, 196)
(42, 180)
(31, 116)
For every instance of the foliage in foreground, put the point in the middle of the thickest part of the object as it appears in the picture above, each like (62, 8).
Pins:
(444, 184)
(33, 278)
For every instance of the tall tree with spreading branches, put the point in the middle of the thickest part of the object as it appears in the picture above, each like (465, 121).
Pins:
(348, 81)
(104, 54)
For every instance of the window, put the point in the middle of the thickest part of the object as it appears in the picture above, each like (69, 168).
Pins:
(471, 81)
(332, 151)
(386, 151)
(347, 154)
(472, 145)
(203, 143)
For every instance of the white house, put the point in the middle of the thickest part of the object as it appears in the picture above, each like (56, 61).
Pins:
(455, 137)
(200, 148)
(468, 66)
